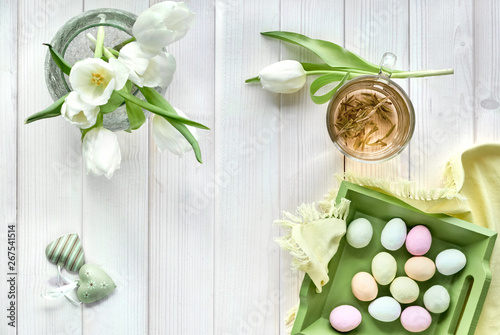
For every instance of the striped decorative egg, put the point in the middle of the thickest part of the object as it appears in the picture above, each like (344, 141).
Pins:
(66, 251)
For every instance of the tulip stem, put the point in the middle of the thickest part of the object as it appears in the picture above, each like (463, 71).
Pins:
(124, 43)
(108, 53)
(357, 73)
(396, 75)
(100, 119)
(353, 71)
(422, 73)
(99, 45)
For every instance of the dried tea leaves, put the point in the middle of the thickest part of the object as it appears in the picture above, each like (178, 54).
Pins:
(361, 116)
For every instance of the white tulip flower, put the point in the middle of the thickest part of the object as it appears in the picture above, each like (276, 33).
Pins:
(287, 76)
(160, 71)
(95, 80)
(167, 137)
(162, 24)
(136, 59)
(147, 69)
(101, 152)
(78, 112)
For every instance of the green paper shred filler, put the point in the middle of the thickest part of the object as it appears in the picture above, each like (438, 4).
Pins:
(467, 288)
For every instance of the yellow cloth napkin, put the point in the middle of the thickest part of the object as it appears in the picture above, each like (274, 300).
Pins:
(471, 193)
(314, 236)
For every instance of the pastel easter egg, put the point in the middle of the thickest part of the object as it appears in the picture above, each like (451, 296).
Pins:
(345, 318)
(418, 240)
(415, 319)
(394, 234)
(450, 261)
(404, 289)
(384, 268)
(359, 233)
(385, 309)
(364, 287)
(436, 299)
(420, 268)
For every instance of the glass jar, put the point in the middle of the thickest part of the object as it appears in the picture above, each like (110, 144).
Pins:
(71, 42)
(371, 118)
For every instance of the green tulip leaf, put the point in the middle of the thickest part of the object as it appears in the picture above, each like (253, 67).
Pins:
(253, 80)
(332, 54)
(325, 80)
(128, 86)
(59, 60)
(51, 111)
(156, 98)
(317, 67)
(166, 113)
(113, 103)
(135, 115)
(324, 68)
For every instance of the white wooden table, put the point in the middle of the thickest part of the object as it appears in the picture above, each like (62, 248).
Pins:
(191, 247)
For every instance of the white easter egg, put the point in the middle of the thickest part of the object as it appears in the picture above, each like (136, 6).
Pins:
(450, 261)
(384, 268)
(394, 234)
(359, 233)
(436, 299)
(385, 309)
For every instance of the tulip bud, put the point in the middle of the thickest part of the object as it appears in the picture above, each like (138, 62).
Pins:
(287, 76)
(167, 137)
(162, 24)
(101, 152)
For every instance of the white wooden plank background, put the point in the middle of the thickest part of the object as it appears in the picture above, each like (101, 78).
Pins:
(191, 246)
(8, 140)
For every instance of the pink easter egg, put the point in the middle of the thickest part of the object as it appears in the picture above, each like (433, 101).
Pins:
(418, 240)
(415, 319)
(345, 318)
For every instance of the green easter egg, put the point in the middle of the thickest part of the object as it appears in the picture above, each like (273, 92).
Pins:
(66, 251)
(94, 284)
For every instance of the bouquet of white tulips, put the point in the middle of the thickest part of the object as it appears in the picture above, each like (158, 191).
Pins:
(102, 84)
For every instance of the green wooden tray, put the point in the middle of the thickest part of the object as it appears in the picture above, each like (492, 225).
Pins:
(467, 288)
